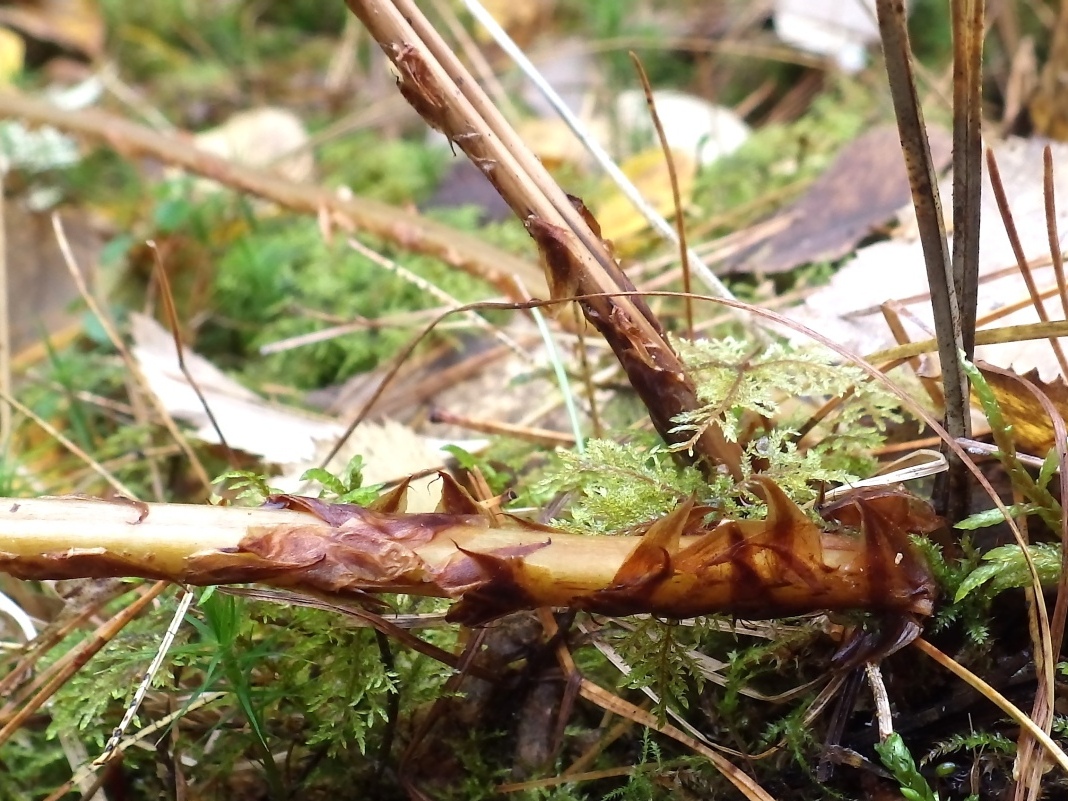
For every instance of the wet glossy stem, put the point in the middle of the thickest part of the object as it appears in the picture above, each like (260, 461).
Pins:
(758, 569)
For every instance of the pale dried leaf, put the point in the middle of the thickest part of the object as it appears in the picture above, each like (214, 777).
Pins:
(280, 435)
(847, 310)
(268, 137)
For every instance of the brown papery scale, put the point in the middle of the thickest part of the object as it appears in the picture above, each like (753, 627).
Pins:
(679, 566)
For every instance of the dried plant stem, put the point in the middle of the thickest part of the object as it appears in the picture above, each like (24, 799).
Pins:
(714, 285)
(1002, 200)
(968, 30)
(679, 567)
(945, 300)
(132, 367)
(610, 702)
(577, 260)
(1006, 706)
(676, 196)
(988, 336)
(408, 231)
(1051, 226)
(73, 661)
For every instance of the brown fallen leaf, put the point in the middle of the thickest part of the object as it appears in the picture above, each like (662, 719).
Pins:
(864, 187)
(847, 309)
(1032, 429)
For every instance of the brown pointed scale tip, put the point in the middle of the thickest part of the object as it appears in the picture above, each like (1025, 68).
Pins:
(680, 566)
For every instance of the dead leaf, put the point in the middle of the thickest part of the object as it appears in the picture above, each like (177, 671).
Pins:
(847, 310)
(75, 25)
(280, 435)
(268, 137)
(1032, 430)
(619, 220)
(865, 186)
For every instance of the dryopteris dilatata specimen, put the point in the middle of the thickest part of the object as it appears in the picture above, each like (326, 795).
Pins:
(578, 262)
(678, 566)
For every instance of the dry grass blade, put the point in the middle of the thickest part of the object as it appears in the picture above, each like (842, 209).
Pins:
(179, 349)
(1049, 631)
(655, 220)
(69, 444)
(925, 198)
(1021, 260)
(74, 660)
(55, 632)
(162, 723)
(676, 199)
(111, 747)
(539, 436)
(989, 336)
(613, 703)
(1051, 227)
(1003, 703)
(127, 359)
(968, 30)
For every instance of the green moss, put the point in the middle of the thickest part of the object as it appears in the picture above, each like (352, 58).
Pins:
(301, 679)
(737, 383)
(620, 486)
(395, 170)
(284, 281)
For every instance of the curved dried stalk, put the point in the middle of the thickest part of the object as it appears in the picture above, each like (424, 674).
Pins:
(679, 567)
(408, 231)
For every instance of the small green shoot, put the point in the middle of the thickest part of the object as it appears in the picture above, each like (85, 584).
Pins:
(1005, 568)
(347, 487)
(897, 759)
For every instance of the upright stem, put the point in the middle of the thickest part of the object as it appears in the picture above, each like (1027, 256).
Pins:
(577, 260)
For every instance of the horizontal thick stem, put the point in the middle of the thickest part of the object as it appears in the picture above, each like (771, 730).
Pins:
(679, 566)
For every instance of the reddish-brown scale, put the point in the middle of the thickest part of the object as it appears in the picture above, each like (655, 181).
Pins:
(679, 567)
(500, 590)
